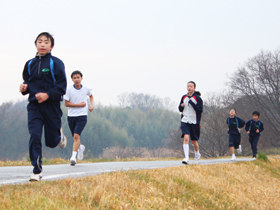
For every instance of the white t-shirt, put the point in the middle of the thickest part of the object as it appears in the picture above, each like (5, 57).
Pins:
(77, 96)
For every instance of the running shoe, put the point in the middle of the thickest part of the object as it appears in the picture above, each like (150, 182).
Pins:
(186, 161)
(72, 161)
(81, 152)
(239, 150)
(197, 157)
(254, 157)
(63, 142)
(36, 177)
(233, 158)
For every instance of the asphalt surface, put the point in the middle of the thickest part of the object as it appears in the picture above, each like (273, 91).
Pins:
(20, 174)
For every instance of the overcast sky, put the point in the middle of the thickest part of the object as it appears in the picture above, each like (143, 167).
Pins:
(145, 46)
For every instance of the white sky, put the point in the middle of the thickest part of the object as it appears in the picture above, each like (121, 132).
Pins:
(143, 46)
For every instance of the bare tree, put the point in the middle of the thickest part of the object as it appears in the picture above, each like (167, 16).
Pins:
(175, 142)
(136, 151)
(259, 79)
(214, 138)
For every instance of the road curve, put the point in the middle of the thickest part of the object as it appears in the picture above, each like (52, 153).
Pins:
(20, 174)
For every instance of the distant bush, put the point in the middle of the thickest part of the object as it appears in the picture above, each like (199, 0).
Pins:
(262, 156)
(136, 152)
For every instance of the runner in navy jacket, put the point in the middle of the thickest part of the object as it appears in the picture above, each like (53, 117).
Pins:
(45, 82)
(234, 126)
(254, 127)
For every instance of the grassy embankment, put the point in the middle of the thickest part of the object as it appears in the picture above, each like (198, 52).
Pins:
(242, 185)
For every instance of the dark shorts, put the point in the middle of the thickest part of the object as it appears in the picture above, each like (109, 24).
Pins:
(234, 141)
(77, 124)
(190, 129)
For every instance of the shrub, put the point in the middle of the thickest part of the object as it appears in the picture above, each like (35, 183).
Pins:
(262, 156)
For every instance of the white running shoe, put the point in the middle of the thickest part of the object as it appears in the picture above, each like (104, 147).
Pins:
(239, 150)
(197, 157)
(72, 161)
(36, 177)
(63, 142)
(254, 158)
(233, 158)
(81, 152)
(185, 161)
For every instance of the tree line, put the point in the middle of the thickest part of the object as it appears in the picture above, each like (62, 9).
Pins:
(108, 126)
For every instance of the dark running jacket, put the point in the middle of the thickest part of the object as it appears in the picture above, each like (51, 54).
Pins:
(233, 125)
(45, 74)
(252, 126)
(191, 112)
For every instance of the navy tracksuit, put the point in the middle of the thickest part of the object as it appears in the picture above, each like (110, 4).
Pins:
(234, 135)
(252, 126)
(45, 74)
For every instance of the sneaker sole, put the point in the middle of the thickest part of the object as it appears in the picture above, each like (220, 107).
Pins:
(35, 179)
(186, 163)
(62, 146)
(72, 163)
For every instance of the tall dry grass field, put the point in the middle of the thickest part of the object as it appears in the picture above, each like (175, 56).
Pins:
(243, 185)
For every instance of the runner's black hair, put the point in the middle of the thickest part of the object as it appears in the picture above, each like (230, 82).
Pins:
(256, 113)
(48, 35)
(76, 72)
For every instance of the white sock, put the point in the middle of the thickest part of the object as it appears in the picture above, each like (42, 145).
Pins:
(233, 155)
(74, 154)
(186, 150)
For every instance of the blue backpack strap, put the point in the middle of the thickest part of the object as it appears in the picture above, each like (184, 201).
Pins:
(250, 125)
(52, 70)
(29, 66)
(237, 123)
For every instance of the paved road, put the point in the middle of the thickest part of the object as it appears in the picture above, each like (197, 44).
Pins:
(20, 174)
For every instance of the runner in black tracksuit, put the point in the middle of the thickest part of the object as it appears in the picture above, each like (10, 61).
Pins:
(45, 82)
(234, 137)
(254, 127)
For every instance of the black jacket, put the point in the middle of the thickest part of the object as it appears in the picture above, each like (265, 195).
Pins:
(38, 74)
(252, 126)
(233, 125)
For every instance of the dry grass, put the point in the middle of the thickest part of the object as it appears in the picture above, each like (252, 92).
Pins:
(243, 185)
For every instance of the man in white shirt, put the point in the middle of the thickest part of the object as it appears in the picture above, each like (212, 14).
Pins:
(76, 101)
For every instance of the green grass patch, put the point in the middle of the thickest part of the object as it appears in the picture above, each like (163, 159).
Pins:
(262, 157)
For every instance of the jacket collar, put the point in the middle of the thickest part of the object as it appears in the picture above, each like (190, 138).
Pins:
(48, 55)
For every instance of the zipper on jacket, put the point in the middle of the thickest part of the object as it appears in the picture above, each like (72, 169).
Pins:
(39, 65)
